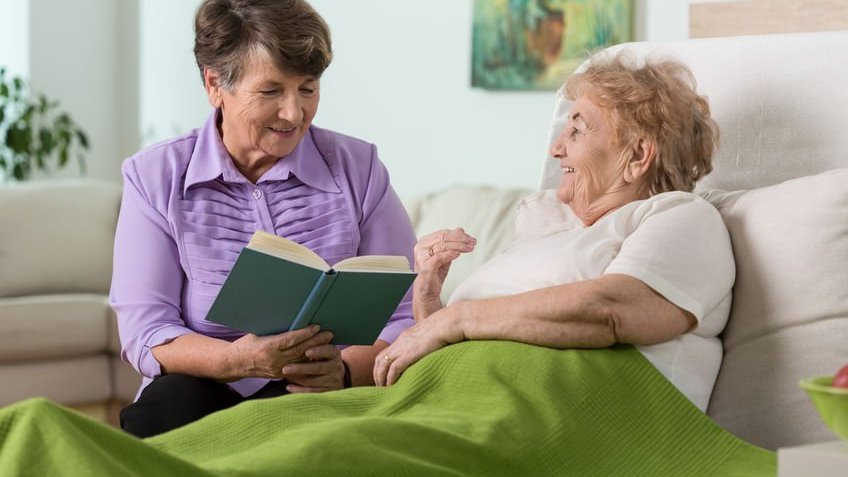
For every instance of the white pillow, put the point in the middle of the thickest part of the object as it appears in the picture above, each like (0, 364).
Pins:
(790, 305)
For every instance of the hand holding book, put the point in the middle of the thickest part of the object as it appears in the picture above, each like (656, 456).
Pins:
(278, 285)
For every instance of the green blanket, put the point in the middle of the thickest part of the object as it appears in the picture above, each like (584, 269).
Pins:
(475, 408)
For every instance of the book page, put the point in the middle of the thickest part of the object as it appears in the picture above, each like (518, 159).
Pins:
(286, 249)
(374, 263)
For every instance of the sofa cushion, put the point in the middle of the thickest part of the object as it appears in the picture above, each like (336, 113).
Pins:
(57, 237)
(125, 380)
(487, 213)
(51, 326)
(790, 306)
(79, 380)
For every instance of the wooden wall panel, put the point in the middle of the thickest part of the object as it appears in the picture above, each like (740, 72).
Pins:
(756, 17)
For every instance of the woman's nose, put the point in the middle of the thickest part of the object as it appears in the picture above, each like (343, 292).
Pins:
(290, 109)
(558, 147)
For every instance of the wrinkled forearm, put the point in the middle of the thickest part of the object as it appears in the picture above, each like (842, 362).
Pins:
(426, 298)
(360, 361)
(202, 356)
(588, 314)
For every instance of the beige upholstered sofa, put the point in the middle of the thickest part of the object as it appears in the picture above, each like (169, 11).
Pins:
(782, 104)
(57, 332)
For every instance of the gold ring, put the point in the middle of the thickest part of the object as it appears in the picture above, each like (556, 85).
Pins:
(388, 358)
(430, 251)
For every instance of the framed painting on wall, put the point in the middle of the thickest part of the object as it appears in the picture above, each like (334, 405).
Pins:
(535, 44)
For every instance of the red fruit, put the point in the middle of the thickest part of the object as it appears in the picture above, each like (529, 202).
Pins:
(841, 378)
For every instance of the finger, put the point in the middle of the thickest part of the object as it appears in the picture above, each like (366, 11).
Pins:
(312, 368)
(289, 339)
(320, 339)
(442, 253)
(326, 351)
(397, 367)
(298, 389)
(457, 235)
(381, 364)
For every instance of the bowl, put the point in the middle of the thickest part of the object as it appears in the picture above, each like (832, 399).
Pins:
(831, 402)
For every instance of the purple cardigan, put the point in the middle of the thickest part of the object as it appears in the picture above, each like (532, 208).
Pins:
(186, 212)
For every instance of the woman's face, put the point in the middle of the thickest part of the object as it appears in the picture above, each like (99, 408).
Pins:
(592, 178)
(265, 115)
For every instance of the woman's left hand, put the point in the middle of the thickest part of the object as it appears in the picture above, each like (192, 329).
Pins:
(414, 343)
(323, 372)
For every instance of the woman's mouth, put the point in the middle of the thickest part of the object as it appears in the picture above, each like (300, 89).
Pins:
(283, 131)
(567, 169)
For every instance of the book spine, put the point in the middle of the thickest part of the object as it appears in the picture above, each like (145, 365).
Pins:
(313, 301)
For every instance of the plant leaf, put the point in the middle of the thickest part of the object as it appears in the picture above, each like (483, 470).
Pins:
(28, 112)
(45, 137)
(34, 133)
(83, 139)
(18, 138)
(18, 171)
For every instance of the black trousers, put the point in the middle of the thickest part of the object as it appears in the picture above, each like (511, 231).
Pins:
(174, 400)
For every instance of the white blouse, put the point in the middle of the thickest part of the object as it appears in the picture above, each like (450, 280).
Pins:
(675, 242)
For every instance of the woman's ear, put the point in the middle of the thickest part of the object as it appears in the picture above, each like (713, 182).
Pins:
(640, 162)
(212, 83)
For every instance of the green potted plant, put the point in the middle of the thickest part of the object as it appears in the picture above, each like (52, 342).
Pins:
(34, 133)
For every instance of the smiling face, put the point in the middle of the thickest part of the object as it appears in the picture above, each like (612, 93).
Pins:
(265, 115)
(593, 180)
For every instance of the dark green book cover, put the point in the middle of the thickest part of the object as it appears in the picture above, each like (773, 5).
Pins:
(265, 294)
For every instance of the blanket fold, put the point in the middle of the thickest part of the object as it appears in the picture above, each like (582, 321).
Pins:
(475, 408)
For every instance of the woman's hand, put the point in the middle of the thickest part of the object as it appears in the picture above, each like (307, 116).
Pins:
(434, 254)
(323, 372)
(265, 356)
(440, 330)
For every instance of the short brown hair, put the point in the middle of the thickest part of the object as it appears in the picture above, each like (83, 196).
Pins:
(290, 32)
(657, 100)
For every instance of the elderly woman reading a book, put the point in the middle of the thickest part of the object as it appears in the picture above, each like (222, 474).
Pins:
(192, 203)
(620, 252)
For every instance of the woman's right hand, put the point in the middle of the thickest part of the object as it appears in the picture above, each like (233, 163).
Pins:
(434, 254)
(265, 356)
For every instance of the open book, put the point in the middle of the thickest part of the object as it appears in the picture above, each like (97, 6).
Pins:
(278, 285)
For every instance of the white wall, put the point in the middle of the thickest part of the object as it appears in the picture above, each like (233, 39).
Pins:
(405, 85)
(76, 66)
(171, 97)
(125, 71)
(400, 78)
(14, 36)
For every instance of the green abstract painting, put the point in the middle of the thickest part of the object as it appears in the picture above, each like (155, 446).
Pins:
(535, 44)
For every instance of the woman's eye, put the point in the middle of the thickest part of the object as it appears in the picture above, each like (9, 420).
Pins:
(268, 92)
(572, 132)
(307, 91)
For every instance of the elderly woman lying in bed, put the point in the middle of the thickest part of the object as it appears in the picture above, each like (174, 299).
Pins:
(621, 252)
